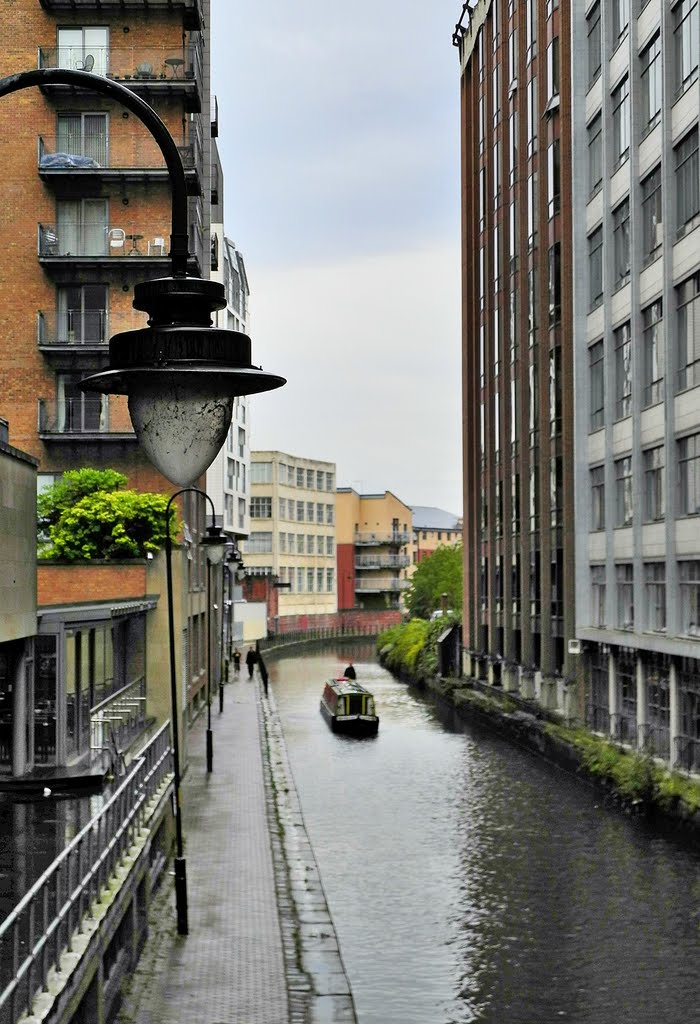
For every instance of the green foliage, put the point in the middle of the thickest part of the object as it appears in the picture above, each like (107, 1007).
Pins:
(411, 647)
(438, 574)
(85, 516)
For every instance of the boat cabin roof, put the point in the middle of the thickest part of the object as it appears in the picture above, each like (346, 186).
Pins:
(343, 685)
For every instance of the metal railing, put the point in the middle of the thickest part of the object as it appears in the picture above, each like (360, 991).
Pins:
(623, 729)
(655, 740)
(45, 923)
(116, 721)
(83, 327)
(382, 561)
(78, 149)
(136, 64)
(394, 537)
(380, 584)
(598, 718)
(86, 415)
(95, 239)
(687, 754)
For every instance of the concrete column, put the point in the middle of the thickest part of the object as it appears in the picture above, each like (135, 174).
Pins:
(641, 700)
(674, 715)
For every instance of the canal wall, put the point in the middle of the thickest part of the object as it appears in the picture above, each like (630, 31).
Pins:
(319, 989)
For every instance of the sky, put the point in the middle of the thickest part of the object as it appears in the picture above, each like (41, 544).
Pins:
(339, 139)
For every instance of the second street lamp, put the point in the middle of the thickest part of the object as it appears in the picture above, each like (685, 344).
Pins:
(214, 545)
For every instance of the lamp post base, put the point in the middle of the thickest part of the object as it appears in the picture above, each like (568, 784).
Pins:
(181, 895)
(210, 750)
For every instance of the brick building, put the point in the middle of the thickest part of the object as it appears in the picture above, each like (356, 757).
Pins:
(375, 550)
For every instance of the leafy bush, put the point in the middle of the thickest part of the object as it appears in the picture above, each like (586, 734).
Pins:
(411, 647)
(69, 489)
(438, 574)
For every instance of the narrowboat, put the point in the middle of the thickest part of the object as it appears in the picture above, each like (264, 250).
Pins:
(349, 708)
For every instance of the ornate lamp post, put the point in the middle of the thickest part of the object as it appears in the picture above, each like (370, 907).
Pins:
(180, 374)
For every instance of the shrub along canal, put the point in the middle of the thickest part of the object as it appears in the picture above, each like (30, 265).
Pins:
(470, 881)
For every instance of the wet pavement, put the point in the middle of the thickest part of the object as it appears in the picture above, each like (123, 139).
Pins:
(261, 945)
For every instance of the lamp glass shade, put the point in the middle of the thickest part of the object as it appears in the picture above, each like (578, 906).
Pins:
(180, 425)
(215, 548)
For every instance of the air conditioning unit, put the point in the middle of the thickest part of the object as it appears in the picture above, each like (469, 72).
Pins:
(574, 646)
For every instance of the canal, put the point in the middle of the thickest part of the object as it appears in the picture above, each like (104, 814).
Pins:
(469, 881)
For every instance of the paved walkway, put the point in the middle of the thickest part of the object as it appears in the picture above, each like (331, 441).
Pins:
(230, 969)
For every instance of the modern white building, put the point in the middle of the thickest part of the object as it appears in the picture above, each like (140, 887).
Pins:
(636, 189)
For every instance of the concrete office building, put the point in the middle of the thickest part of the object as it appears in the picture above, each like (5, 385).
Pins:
(636, 193)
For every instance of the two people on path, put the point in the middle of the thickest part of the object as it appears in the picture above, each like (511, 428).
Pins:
(251, 660)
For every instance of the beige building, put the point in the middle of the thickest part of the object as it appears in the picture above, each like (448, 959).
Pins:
(292, 530)
(375, 549)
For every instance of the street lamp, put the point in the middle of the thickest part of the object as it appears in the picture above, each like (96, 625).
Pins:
(180, 373)
(215, 545)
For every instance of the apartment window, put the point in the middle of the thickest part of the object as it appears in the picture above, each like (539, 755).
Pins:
(283, 508)
(688, 324)
(553, 178)
(261, 472)
(329, 481)
(81, 315)
(261, 508)
(689, 475)
(241, 443)
(496, 283)
(282, 540)
(624, 578)
(621, 121)
(532, 116)
(259, 543)
(554, 284)
(620, 20)
(301, 576)
(77, 412)
(82, 228)
(329, 545)
(623, 492)
(310, 581)
(594, 43)
(77, 45)
(598, 595)
(687, 182)
(621, 243)
(513, 57)
(651, 79)
(330, 580)
(623, 371)
(689, 580)
(300, 511)
(496, 166)
(654, 489)
(531, 210)
(309, 512)
(530, 29)
(595, 268)
(300, 543)
(482, 122)
(300, 477)
(496, 94)
(320, 477)
(319, 512)
(597, 476)
(310, 479)
(329, 515)
(553, 69)
(596, 364)
(512, 235)
(512, 144)
(653, 357)
(532, 305)
(310, 544)
(595, 153)
(685, 43)
(482, 199)
(83, 135)
(655, 595)
(652, 228)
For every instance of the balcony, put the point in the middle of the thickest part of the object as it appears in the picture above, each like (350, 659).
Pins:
(395, 538)
(93, 247)
(380, 585)
(191, 10)
(84, 332)
(382, 561)
(86, 418)
(153, 72)
(73, 161)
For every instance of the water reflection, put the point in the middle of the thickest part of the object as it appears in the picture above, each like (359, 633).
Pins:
(469, 881)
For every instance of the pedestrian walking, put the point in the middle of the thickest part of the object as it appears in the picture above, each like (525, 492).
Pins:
(236, 661)
(251, 659)
(350, 672)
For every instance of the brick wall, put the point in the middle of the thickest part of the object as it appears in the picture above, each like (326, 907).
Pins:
(82, 584)
(354, 621)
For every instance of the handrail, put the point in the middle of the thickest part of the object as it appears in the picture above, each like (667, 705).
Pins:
(75, 881)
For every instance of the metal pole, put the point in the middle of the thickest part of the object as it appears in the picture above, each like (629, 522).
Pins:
(222, 663)
(210, 738)
(180, 862)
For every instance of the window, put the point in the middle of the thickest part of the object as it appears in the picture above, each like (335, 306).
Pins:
(261, 472)
(282, 540)
(598, 498)
(329, 545)
(651, 216)
(595, 268)
(301, 576)
(594, 43)
(310, 580)
(81, 315)
(309, 512)
(319, 512)
(530, 29)
(623, 371)
(596, 355)
(82, 228)
(553, 69)
(654, 489)
(320, 544)
(512, 144)
(300, 477)
(553, 178)
(621, 243)
(685, 43)
(687, 182)
(655, 596)
(300, 543)
(241, 442)
(320, 479)
(261, 508)
(310, 479)
(83, 135)
(650, 62)
(77, 412)
(329, 514)
(531, 210)
(624, 577)
(689, 475)
(689, 579)
(330, 580)
(300, 511)
(623, 492)
(621, 121)
(598, 595)
(283, 508)
(653, 356)
(532, 116)
(688, 324)
(496, 166)
(259, 543)
(595, 153)
(496, 94)
(310, 544)
(512, 57)
(329, 481)
(554, 284)
(76, 47)
(620, 20)
(482, 123)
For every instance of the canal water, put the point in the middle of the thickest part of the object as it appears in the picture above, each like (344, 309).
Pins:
(469, 881)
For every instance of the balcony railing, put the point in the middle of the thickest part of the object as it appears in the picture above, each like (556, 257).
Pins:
(117, 721)
(86, 415)
(655, 740)
(688, 754)
(380, 585)
(153, 70)
(82, 328)
(395, 537)
(382, 561)
(95, 239)
(623, 729)
(191, 9)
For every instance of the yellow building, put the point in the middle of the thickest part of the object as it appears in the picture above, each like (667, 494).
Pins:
(292, 530)
(375, 549)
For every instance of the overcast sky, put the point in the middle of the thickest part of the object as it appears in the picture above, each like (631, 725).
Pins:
(339, 136)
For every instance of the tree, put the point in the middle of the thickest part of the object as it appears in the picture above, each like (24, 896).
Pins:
(438, 574)
(85, 516)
